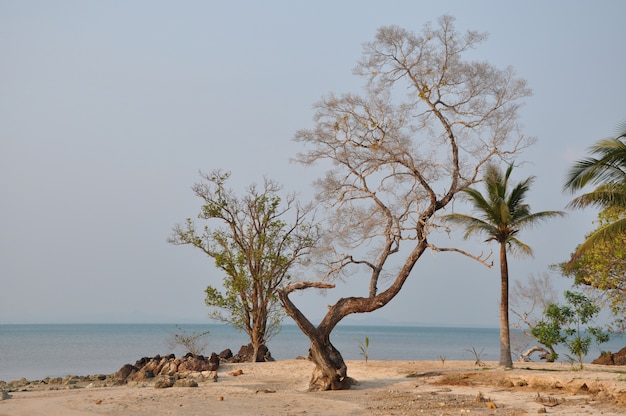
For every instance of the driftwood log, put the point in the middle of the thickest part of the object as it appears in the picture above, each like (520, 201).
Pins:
(544, 354)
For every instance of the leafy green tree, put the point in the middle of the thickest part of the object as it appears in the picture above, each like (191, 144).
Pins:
(254, 245)
(602, 267)
(606, 169)
(570, 325)
(501, 214)
(427, 121)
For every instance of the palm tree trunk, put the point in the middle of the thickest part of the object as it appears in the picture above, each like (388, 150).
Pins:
(505, 339)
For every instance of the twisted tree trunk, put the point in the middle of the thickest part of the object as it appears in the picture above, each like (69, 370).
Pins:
(330, 371)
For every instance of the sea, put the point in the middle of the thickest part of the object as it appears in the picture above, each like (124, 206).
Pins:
(35, 352)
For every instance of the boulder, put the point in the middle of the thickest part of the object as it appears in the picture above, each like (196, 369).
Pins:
(246, 353)
(186, 382)
(147, 368)
(215, 360)
(170, 367)
(608, 358)
(143, 374)
(197, 363)
(226, 355)
(163, 382)
(124, 373)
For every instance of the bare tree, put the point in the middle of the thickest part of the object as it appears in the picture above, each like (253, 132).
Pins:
(397, 162)
(529, 303)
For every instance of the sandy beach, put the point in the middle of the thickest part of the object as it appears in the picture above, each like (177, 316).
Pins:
(385, 388)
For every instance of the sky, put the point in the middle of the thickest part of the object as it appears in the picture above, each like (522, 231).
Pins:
(109, 110)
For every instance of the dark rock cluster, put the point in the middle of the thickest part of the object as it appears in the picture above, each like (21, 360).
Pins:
(160, 371)
(245, 354)
(169, 365)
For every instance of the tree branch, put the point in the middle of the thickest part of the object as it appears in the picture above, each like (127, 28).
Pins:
(481, 258)
(306, 285)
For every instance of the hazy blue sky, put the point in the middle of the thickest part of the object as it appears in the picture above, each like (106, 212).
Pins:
(109, 109)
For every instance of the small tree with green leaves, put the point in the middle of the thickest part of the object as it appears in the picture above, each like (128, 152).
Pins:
(570, 324)
(255, 241)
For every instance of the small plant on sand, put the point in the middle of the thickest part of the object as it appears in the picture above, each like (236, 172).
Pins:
(570, 325)
(477, 355)
(364, 347)
(443, 359)
(192, 341)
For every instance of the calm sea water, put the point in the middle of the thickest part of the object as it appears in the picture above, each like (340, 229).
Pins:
(39, 351)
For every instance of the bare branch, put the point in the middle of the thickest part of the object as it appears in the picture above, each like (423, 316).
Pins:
(306, 285)
(481, 258)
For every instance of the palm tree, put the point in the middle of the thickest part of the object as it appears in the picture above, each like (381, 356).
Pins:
(607, 170)
(502, 213)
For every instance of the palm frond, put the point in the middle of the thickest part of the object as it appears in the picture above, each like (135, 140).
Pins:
(471, 224)
(502, 212)
(519, 248)
(609, 166)
(603, 235)
(604, 196)
(620, 131)
(536, 218)
(518, 193)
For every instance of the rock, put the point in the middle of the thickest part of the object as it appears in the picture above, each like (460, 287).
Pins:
(608, 358)
(169, 368)
(186, 382)
(163, 382)
(147, 368)
(143, 374)
(246, 353)
(4, 395)
(196, 363)
(226, 355)
(215, 360)
(125, 372)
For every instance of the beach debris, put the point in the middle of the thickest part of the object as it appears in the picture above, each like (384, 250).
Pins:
(265, 391)
(98, 401)
(236, 373)
(480, 398)
(220, 398)
(549, 401)
(4, 395)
